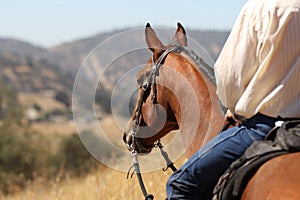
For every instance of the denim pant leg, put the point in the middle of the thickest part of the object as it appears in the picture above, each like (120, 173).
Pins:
(198, 176)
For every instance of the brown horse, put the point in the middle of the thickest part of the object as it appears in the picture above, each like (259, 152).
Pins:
(176, 94)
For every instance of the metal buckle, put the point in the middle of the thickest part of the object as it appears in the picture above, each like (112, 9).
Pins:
(145, 85)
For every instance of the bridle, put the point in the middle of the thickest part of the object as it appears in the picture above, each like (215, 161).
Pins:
(150, 82)
(134, 145)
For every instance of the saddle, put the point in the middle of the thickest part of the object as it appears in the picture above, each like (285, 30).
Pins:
(283, 139)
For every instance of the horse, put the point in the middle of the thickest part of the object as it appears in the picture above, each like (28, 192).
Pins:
(175, 94)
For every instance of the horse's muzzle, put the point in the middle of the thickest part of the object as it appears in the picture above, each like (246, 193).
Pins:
(133, 143)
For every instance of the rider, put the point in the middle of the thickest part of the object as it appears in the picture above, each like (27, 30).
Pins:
(257, 74)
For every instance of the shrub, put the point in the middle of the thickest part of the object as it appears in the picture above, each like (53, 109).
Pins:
(77, 160)
(18, 159)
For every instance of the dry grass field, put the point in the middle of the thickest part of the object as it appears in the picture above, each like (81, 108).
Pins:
(108, 184)
(104, 183)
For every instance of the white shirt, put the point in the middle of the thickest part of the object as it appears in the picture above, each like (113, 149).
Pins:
(258, 70)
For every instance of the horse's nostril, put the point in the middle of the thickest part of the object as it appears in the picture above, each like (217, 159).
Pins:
(125, 138)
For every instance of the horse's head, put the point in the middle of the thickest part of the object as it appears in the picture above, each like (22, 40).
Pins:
(153, 116)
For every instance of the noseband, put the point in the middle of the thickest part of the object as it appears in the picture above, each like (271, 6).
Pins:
(134, 143)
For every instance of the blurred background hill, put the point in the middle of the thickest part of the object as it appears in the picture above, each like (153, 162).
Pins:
(68, 56)
(50, 72)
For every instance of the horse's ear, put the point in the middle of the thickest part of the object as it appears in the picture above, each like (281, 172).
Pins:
(180, 35)
(153, 41)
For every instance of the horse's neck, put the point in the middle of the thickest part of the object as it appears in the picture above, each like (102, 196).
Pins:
(199, 115)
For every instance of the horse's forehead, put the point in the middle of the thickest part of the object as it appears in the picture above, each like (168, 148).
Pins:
(170, 61)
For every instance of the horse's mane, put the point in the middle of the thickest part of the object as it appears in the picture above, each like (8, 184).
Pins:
(201, 64)
(205, 68)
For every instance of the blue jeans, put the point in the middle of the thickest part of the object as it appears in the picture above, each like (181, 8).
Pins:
(198, 176)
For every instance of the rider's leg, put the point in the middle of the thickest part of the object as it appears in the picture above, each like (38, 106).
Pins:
(198, 176)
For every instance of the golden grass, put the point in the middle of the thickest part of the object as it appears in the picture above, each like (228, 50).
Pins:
(62, 128)
(103, 184)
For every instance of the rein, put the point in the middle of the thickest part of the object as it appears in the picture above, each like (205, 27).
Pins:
(137, 170)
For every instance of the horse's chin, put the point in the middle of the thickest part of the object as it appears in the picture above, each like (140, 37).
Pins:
(143, 149)
(144, 153)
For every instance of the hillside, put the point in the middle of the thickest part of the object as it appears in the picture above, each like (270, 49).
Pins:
(29, 68)
(70, 55)
(21, 48)
(26, 74)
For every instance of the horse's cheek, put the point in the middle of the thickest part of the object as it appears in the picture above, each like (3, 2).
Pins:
(157, 117)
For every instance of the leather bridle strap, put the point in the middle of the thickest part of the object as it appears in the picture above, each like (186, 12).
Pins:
(151, 81)
(155, 69)
(136, 166)
(133, 148)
